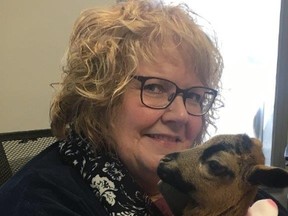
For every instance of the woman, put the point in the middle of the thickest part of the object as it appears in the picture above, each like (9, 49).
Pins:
(140, 82)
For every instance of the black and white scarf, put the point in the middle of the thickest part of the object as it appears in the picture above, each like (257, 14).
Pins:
(108, 178)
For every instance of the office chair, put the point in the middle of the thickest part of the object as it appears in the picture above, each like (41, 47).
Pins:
(17, 148)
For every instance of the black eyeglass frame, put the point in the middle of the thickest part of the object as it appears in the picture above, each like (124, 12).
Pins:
(184, 92)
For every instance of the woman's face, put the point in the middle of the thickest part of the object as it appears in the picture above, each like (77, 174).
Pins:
(144, 135)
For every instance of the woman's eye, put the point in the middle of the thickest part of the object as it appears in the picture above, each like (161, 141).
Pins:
(194, 97)
(154, 88)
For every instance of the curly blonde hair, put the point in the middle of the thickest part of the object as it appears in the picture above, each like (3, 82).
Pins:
(104, 51)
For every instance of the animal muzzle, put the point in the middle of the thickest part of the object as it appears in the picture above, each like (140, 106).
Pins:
(169, 173)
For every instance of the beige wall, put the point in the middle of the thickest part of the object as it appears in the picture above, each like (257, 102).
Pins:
(33, 38)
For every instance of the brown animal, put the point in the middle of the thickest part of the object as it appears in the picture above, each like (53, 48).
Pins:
(219, 177)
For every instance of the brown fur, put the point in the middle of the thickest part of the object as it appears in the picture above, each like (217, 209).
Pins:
(219, 177)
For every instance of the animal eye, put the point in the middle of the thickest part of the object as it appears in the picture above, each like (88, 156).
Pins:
(217, 169)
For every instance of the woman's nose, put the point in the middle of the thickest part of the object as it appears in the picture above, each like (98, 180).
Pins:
(176, 112)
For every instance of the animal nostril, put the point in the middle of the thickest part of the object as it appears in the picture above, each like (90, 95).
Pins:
(169, 157)
(166, 159)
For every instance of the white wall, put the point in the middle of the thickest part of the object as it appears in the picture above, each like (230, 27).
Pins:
(33, 38)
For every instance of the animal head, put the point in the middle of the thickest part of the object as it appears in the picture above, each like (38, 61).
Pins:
(219, 177)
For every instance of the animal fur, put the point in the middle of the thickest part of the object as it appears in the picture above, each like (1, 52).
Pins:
(219, 177)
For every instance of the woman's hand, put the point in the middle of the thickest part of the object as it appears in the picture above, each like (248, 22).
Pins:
(265, 207)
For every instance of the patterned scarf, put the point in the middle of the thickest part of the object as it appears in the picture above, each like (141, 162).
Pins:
(108, 178)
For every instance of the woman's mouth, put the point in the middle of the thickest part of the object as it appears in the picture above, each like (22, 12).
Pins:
(164, 138)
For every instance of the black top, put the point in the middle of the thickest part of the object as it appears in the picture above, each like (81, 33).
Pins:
(47, 186)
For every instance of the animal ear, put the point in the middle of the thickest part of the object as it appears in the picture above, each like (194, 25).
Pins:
(268, 176)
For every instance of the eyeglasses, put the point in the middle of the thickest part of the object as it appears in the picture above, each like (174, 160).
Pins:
(158, 93)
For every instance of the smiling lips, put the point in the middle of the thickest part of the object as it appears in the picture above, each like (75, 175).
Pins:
(164, 138)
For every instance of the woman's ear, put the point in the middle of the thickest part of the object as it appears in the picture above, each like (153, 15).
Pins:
(268, 176)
